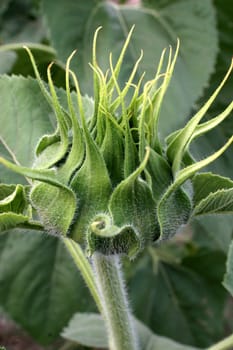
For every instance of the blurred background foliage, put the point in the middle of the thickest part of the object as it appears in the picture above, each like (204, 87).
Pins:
(175, 289)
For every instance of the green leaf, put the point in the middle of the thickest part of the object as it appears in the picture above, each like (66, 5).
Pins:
(12, 198)
(21, 22)
(184, 303)
(11, 220)
(43, 56)
(3, 6)
(7, 60)
(160, 25)
(58, 149)
(36, 276)
(213, 232)
(88, 329)
(228, 278)
(213, 194)
(8, 176)
(25, 116)
(13, 206)
(206, 183)
(131, 203)
(46, 175)
(216, 203)
(56, 207)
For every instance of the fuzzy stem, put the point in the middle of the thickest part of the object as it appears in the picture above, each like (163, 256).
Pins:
(84, 267)
(225, 344)
(114, 302)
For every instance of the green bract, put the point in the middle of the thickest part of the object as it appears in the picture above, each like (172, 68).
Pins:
(106, 180)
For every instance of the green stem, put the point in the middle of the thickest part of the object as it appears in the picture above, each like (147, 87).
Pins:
(114, 302)
(225, 344)
(84, 267)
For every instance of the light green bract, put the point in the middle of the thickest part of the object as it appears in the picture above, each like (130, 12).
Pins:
(107, 180)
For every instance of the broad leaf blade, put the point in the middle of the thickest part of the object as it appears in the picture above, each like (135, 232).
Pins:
(36, 276)
(25, 117)
(180, 298)
(43, 55)
(213, 232)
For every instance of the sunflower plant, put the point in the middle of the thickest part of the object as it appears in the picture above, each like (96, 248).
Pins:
(107, 185)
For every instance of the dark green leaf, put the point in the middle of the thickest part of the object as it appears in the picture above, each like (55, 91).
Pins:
(40, 288)
(18, 57)
(3, 6)
(181, 300)
(21, 22)
(213, 232)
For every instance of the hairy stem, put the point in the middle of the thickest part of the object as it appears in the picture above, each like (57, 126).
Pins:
(114, 302)
(225, 344)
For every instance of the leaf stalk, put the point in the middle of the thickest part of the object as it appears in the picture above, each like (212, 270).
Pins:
(224, 344)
